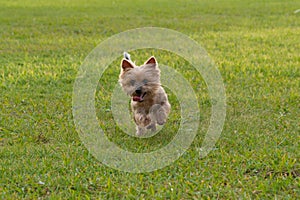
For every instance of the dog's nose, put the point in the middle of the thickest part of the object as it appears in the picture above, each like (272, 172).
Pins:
(138, 90)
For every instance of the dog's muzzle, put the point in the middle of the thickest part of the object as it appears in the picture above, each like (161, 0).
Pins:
(138, 95)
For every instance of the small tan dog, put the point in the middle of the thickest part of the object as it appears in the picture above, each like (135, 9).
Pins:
(149, 102)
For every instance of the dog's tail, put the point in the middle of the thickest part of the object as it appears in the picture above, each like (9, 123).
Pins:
(127, 56)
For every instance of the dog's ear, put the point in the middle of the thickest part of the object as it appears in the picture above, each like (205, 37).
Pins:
(126, 65)
(151, 61)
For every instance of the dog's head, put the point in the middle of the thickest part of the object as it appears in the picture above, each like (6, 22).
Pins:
(140, 82)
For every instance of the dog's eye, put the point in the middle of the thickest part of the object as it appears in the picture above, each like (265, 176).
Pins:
(132, 82)
(145, 81)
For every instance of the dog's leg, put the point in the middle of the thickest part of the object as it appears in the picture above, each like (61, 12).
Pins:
(140, 131)
(152, 125)
(159, 114)
(141, 120)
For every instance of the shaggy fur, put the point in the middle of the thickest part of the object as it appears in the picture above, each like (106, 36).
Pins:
(149, 101)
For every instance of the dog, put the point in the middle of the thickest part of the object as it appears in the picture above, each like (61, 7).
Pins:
(149, 101)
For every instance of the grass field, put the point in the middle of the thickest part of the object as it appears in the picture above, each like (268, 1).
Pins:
(255, 45)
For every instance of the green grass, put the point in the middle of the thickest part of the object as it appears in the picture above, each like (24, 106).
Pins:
(255, 45)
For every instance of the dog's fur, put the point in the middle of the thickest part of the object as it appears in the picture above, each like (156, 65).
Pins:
(149, 101)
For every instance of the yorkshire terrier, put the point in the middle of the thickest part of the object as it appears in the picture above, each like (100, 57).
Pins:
(149, 101)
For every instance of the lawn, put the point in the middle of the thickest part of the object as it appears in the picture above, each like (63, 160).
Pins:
(255, 45)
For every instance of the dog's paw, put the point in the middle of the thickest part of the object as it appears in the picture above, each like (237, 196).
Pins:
(144, 120)
(161, 117)
(140, 131)
(161, 122)
(159, 114)
(152, 127)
